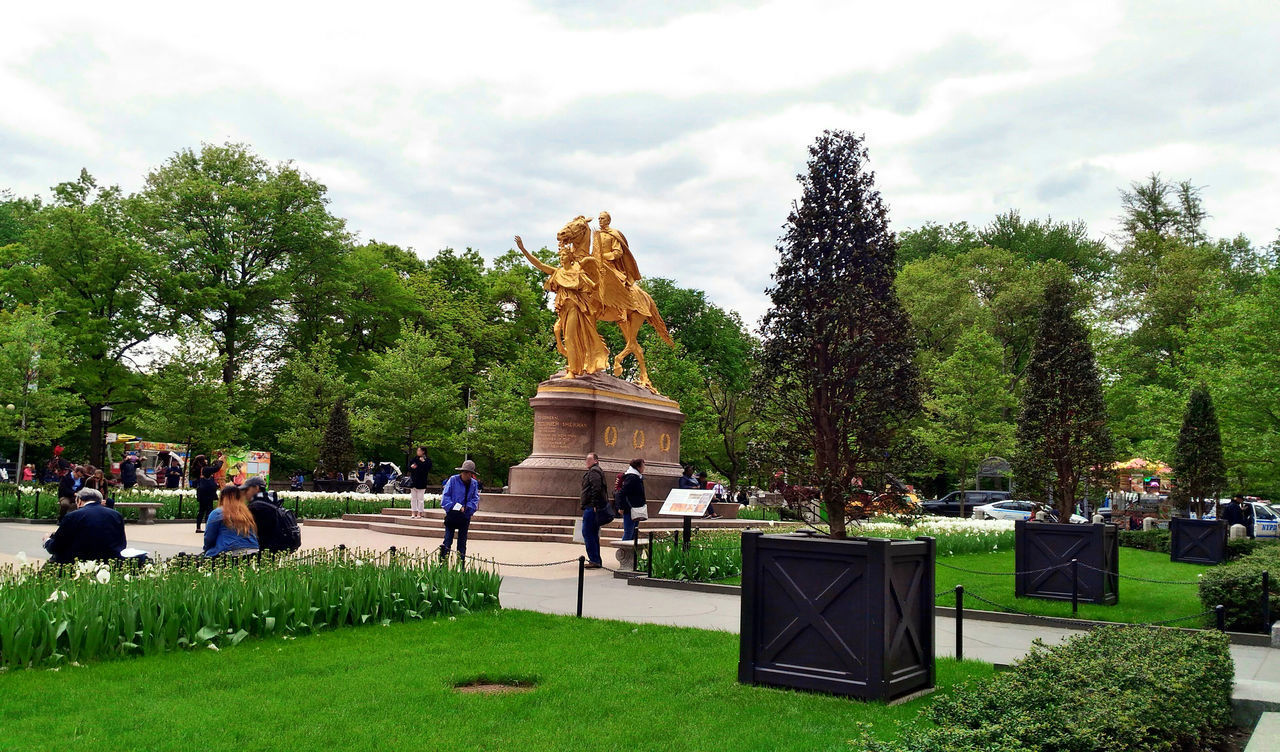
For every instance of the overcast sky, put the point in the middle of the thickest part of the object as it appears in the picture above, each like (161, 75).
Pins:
(464, 123)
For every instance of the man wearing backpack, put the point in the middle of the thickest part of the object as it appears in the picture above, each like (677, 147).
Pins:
(278, 531)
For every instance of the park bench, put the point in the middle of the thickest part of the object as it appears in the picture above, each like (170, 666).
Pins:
(146, 510)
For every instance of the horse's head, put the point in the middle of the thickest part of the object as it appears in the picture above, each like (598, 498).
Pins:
(576, 232)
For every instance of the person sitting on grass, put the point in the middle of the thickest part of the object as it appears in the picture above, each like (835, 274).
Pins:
(230, 529)
(91, 532)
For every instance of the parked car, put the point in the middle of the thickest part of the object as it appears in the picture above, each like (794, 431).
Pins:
(1266, 518)
(949, 505)
(1014, 509)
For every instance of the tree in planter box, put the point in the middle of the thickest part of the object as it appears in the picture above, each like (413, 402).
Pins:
(842, 382)
(1198, 466)
(1062, 435)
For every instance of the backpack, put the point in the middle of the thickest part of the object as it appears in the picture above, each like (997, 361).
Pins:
(290, 533)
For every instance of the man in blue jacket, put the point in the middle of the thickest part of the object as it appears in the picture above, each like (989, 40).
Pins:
(90, 533)
(459, 499)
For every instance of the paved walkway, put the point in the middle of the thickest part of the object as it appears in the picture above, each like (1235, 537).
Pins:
(553, 589)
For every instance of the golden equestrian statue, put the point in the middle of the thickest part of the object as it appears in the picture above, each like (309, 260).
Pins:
(597, 284)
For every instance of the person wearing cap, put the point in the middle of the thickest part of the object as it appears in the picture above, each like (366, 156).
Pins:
(275, 525)
(91, 532)
(129, 471)
(459, 499)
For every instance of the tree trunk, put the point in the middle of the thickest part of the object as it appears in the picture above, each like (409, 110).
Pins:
(96, 435)
(229, 346)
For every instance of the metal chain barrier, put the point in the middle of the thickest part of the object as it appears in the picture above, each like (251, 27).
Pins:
(511, 564)
(1006, 609)
(1003, 574)
(1141, 579)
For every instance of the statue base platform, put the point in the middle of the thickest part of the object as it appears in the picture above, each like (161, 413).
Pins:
(599, 413)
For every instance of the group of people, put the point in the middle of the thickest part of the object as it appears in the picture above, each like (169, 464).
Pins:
(599, 508)
(247, 520)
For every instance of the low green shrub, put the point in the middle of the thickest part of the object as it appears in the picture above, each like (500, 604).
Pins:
(760, 513)
(1147, 540)
(92, 611)
(1115, 689)
(1237, 585)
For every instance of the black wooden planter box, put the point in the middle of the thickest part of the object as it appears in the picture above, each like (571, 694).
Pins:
(850, 617)
(1043, 552)
(1197, 541)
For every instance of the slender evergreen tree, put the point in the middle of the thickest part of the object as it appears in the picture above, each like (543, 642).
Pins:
(1198, 465)
(838, 352)
(1062, 434)
(337, 450)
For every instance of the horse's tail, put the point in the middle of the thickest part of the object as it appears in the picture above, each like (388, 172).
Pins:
(660, 326)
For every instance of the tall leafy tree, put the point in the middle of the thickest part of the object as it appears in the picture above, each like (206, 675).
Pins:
(1235, 349)
(189, 402)
(237, 236)
(1198, 465)
(724, 354)
(501, 430)
(79, 259)
(34, 379)
(302, 398)
(1062, 430)
(407, 399)
(837, 349)
(966, 405)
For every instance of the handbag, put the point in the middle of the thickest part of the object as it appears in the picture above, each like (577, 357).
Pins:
(640, 513)
(605, 514)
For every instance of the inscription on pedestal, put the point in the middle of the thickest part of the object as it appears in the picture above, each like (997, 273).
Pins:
(558, 433)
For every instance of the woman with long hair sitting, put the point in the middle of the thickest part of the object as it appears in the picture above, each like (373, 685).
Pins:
(230, 528)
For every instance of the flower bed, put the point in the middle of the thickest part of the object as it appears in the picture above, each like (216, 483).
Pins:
(93, 611)
(717, 555)
(181, 503)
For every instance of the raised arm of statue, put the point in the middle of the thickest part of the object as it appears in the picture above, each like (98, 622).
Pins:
(534, 259)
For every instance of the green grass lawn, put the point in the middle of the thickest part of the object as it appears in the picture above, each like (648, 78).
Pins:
(600, 685)
(1140, 602)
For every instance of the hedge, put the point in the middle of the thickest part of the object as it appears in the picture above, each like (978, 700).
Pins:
(1238, 586)
(1115, 689)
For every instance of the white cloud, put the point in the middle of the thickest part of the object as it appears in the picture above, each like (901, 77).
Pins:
(463, 124)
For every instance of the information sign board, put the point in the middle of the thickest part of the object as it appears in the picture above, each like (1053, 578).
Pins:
(687, 502)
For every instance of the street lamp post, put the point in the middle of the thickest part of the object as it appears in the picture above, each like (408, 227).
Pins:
(22, 438)
(107, 412)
